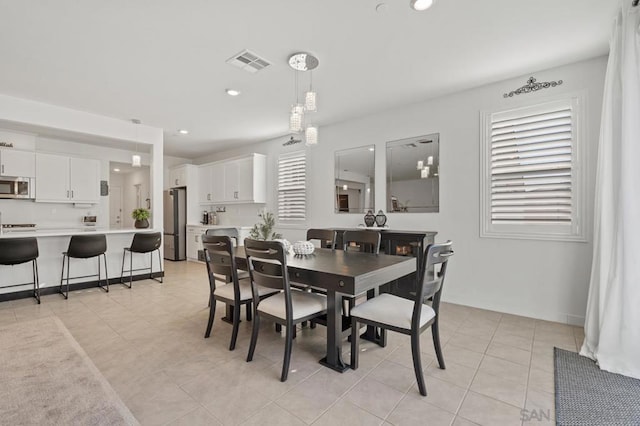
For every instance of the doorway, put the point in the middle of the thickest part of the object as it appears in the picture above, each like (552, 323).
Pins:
(115, 207)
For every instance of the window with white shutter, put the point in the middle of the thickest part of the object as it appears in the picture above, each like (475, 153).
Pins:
(531, 183)
(292, 191)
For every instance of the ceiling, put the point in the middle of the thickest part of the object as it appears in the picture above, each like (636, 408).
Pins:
(163, 61)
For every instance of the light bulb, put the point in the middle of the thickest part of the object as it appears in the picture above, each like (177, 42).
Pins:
(136, 161)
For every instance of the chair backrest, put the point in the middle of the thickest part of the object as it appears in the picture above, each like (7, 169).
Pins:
(14, 251)
(86, 246)
(369, 241)
(267, 263)
(436, 257)
(229, 232)
(327, 237)
(146, 242)
(220, 260)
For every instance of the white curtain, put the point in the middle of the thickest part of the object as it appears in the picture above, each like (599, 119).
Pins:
(612, 327)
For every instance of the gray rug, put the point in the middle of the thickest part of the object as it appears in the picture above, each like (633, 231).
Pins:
(586, 395)
(47, 379)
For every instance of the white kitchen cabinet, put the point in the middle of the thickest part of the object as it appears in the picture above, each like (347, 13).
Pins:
(67, 180)
(17, 163)
(178, 176)
(194, 241)
(237, 181)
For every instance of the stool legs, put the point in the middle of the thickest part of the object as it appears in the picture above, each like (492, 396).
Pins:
(65, 294)
(36, 280)
(122, 271)
(106, 274)
(66, 258)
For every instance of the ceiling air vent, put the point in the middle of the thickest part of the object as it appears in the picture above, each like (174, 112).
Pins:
(248, 61)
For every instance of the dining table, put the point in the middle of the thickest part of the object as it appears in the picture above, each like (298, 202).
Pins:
(340, 273)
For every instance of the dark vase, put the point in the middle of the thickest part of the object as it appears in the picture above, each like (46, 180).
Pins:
(369, 218)
(141, 223)
(381, 218)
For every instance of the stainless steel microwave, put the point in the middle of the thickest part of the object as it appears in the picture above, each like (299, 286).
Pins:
(12, 187)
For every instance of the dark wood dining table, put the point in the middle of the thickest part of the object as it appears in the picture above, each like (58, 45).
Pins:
(340, 273)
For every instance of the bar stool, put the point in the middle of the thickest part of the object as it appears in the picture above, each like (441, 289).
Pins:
(15, 251)
(85, 247)
(143, 242)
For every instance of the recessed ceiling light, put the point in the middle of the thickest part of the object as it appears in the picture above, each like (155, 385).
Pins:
(116, 170)
(372, 149)
(382, 7)
(420, 5)
(232, 92)
(183, 131)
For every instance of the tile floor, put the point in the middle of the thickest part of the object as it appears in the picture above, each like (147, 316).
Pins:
(148, 342)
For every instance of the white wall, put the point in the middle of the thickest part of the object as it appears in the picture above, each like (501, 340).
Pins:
(541, 279)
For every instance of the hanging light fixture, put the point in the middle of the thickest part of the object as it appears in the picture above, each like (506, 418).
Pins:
(430, 160)
(301, 62)
(136, 160)
(420, 165)
(425, 172)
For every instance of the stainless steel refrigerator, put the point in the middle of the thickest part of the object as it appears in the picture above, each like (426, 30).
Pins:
(175, 224)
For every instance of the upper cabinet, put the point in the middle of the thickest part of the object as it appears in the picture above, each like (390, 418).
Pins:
(17, 163)
(62, 179)
(178, 176)
(237, 181)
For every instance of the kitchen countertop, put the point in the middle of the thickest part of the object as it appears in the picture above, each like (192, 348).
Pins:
(66, 232)
(199, 225)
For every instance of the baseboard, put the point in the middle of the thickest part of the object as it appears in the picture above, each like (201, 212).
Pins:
(44, 291)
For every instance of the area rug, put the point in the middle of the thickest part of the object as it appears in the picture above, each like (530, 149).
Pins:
(586, 395)
(47, 379)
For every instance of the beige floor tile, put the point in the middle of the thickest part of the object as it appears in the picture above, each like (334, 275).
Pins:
(462, 356)
(471, 343)
(509, 353)
(166, 405)
(411, 411)
(395, 375)
(488, 411)
(198, 417)
(441, 394)
(273, 414)
(515, 340)
(461, 421)
(374, 397)
(499, 388)
(541, 380)
(346, 413)
(504, 369)
(540, 408)
(456, 374)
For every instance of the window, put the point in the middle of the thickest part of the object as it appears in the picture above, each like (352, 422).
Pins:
(531, 182)
(292, 193)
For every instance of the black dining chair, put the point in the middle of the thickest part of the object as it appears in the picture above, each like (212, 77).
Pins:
(85, 247)
(16, 251)
(221, 261)
(405, 316)
(326, 237)
(365, 241)
(143, 242)
(267, 263)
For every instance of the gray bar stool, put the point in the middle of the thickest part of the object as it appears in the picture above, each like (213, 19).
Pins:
(85, 247)
(15, 251)
(143, 242)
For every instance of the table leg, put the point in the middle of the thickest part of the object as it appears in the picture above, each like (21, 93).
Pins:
(333, 359)
(228, 316)
(374, 334)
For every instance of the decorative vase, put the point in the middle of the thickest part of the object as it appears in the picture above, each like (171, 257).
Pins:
(141, 223)
(369, 218)
(381, 218)
(302, 248)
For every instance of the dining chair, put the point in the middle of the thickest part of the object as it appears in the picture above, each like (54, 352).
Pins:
(326, 237)
(221, 261)
(367, 241)
(405, 316)
(267, 263)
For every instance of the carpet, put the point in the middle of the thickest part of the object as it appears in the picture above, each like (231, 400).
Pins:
(47, 379)
(586, 395)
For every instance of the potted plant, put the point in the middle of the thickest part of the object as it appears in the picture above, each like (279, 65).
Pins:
(141, 216)
(264, 230)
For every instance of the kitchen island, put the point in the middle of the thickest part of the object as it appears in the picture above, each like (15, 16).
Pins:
(52, 242)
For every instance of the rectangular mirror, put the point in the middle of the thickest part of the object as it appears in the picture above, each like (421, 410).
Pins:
(355, 180)
(413, 168)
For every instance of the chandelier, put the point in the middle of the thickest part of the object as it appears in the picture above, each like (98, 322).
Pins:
(299, 119)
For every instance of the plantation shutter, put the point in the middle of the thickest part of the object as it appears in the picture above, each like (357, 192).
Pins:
(532, 165)
(292, 192)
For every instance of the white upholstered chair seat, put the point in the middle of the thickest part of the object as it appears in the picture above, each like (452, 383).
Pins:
(226, 291)
(391, 310)
(303, 304)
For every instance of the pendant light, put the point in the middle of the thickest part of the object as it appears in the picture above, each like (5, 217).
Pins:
(302, 62)
(136, 160)
(311, 135)
(310, 96)
(297, 110)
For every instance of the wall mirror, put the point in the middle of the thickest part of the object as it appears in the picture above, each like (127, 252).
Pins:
(355, 180)
(413, 168)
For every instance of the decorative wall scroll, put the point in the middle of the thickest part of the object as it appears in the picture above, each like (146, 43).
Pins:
(532, 86)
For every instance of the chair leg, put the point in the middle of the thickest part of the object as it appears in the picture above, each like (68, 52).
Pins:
(435, 332)
(106, 272)
(287, 352)
(417, 363)
(236, 326)
(249, 309)
(36, 281)
(150, 266)
(212, 313)
(355, 343)
(254, 336)
(64, 257)
(124, 253)
(160, 263)
(278, 328)
(130, 269)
